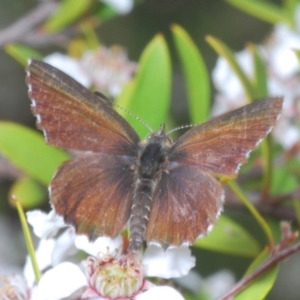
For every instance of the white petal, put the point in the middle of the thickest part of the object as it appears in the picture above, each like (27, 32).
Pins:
(101, 246)
(225, 79)
(120, 6)
(70, 66)
(219, 283)
(62, 281)
(174, 262)
(192, 281)
(45, 225)
(64, 246)
(160, 293)
(43, 255)
(281, 55)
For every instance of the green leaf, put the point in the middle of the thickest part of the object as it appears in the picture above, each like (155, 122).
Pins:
(104, 12)
(28, 192)
(229, 237)
(67, 13)
(297, 52)
(21, 53)
(228, 55)
(283, 181)
(261, 286)
(27, 150)
(290, 7)
(260, 73)
(296, 204)
(148, 95)
(196, 75)
(265, 11)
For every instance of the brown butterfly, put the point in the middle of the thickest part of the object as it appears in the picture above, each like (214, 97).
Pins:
(167, 191)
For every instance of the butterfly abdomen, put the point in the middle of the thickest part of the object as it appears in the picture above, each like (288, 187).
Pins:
(140, 212)
(149, 166)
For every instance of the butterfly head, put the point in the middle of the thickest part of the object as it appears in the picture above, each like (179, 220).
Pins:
(159, 137)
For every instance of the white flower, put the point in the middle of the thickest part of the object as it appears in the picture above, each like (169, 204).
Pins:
(102, 246)
(112, 278)
(14, 287)
(210, 287)
(70, 66)
(160, 293)
(43, 255)
(231, 94)
(108, 68)
(226, 81)
(64, 280)
(53, 248)
(120, 6)
(282, 80)
(173, 262)
(218, 284)
(45, 225)
(108, 273)
(279, 50)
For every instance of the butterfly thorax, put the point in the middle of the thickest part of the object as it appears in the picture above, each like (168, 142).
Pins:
(150, 164)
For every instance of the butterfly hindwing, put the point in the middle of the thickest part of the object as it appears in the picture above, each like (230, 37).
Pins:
(186, 203)
(94, 193)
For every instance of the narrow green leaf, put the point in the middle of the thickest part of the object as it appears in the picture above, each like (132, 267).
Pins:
(265, 11)
(104, 12)
(90, 35)
(296, 204)
(27, 150)
(260, 73)
(283, 181)
(290, 7)
(260, 287)
(252, 209)
(21, 53)
(227, 54)
(196, 75)
(28, 240)
(67, 13)
(29, 192)
(267, 164)
(229, 237)
(297, 52)
(148, 96)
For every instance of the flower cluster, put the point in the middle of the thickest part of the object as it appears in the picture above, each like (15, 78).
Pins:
(282, 64)
(105, 272)
(104, 69)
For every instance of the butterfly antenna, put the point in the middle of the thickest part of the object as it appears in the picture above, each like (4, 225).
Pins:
(134, 116)
(179, 128)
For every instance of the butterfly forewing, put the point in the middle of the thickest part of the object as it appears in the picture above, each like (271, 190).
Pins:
(74, 118)
(94, 193)
(222, 144)
(186, 203)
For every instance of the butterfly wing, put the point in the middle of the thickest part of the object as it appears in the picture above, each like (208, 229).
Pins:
(188, 198)
(186, 203)
(94, 193)
(72, 117)
(222, 144)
